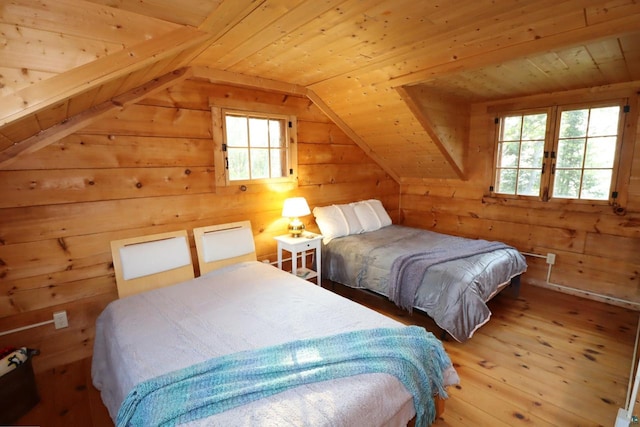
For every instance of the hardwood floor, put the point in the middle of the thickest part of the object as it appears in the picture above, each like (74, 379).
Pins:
(67, 399)
(544, 359)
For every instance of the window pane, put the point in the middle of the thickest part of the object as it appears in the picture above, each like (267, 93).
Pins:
(567, 183)
(277, 164)
(238, 164)
(507, 181)
(573, 123)
(570, 153)
(529, 182)
(604, 121)
(511, 128)
(259, 163)
(531, 154)
(236, 131)
(275, 134)
(534, 126)
(258, 132)
(596, 184)
(509, 152)
(601, 152)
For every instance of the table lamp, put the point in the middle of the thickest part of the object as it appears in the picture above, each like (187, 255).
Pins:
(294, 208)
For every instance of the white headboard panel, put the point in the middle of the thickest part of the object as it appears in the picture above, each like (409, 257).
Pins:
(144, 259)
(148, 262)
(224, 244)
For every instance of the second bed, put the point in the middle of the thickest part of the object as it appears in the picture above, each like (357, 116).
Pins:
(450, 278)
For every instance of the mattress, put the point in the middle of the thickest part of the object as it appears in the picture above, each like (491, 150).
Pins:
(454, 293)
(245, 306)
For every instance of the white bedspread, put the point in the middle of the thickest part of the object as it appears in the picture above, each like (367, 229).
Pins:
(245, 306)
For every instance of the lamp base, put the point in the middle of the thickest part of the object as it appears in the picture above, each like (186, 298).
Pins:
(296, 228)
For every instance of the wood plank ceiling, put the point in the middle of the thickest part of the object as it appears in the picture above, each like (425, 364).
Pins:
(396, 75)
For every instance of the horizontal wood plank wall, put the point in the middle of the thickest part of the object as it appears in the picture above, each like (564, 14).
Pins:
(597, 251)
(147, 169)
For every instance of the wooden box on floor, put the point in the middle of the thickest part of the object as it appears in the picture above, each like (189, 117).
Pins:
(18, 391)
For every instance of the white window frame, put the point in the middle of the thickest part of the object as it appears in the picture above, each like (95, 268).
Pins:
(220, 155)
(551, 147)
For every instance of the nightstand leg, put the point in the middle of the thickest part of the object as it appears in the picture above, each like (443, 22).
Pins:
(318, 259)
(294, 262)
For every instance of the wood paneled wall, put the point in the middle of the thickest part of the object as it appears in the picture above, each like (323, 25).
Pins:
(597, 250)
(147, 169)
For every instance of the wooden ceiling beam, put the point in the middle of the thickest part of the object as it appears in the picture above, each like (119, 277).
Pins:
(37, 97)
(226, 77)
(80, 120)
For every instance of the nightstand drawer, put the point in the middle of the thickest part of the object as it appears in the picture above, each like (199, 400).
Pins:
(307, 246)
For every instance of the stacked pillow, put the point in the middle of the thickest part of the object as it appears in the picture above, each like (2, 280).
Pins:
(353, 218)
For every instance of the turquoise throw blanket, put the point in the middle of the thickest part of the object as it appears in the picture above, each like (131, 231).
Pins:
(409, 353)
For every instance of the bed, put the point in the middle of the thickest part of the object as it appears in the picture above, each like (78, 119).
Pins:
(232, 316)
(449, 278)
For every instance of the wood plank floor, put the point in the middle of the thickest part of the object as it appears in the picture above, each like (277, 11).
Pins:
(544, 359)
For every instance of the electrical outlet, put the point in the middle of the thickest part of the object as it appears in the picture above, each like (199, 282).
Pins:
(60, 319)
(551, 258)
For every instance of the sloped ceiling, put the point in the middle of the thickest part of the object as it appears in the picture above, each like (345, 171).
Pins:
(396, 75)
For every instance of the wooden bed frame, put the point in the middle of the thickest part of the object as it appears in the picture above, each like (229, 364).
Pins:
(243, 250)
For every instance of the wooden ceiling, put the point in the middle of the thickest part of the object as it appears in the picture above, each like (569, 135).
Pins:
(396, 75)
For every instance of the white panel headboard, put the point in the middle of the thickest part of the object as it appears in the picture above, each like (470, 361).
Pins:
(148, 262)
(224, 244)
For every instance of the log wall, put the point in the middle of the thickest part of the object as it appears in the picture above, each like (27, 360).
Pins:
(146, 169)
(597, 248)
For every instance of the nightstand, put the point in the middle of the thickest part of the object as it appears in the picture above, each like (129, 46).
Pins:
(300, 245)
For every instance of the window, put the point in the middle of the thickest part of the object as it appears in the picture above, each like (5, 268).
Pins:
(257, 147)
(567, 152)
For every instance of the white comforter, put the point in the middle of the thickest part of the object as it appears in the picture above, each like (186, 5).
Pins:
(249, 305)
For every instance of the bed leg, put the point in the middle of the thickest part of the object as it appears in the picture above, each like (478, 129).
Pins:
(439, 406)
(515, 286)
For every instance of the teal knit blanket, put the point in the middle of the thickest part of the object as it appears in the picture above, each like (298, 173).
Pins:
(410, 353)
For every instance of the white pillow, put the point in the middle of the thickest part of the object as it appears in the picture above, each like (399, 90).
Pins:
(367, 216)
(353, 223)
(383, 216)
(331, 221)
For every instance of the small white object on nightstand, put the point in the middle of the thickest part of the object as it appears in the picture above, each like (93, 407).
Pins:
(300, 245)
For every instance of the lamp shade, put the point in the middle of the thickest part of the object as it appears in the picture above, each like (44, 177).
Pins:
(295, 207)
